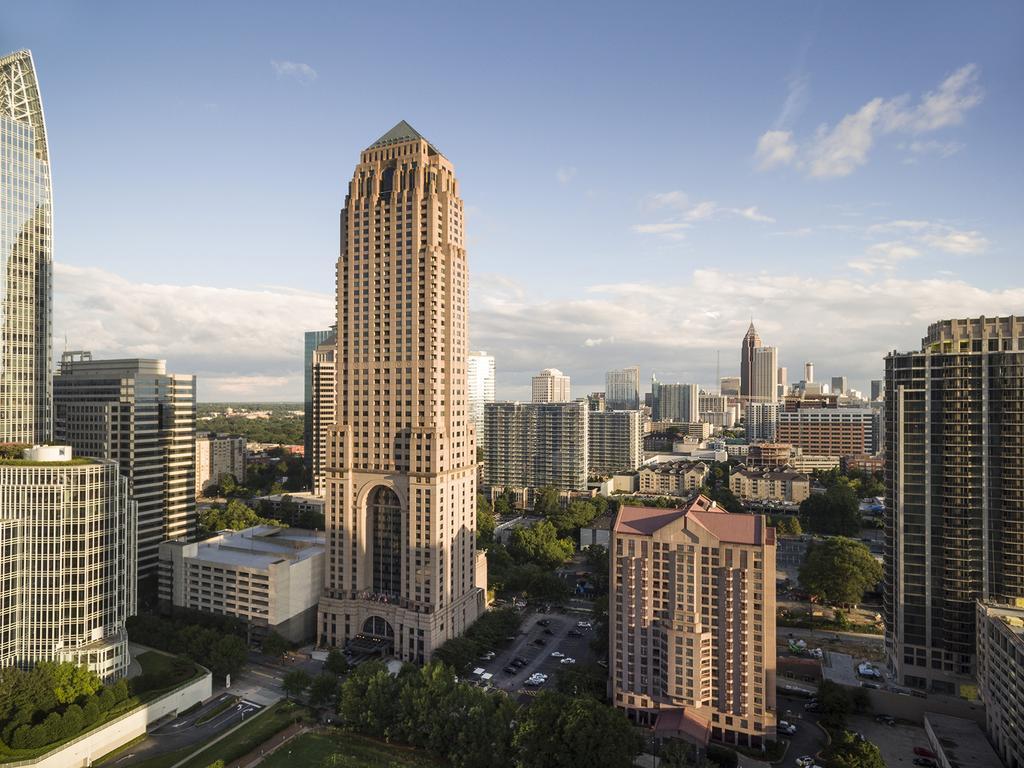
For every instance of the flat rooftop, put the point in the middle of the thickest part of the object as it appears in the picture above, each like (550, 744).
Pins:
(961, 742)
(260, 547)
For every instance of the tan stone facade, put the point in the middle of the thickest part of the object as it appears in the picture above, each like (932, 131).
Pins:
(692, 620)
(403, 573)
(676, 478)
(769, 484)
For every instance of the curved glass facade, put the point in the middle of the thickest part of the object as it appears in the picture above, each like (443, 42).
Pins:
(26, 213)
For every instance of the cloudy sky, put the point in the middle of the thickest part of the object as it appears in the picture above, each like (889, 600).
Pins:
(640, 179)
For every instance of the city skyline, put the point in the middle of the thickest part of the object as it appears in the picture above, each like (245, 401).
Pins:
(769, 205)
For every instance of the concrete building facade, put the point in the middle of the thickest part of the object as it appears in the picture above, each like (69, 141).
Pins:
(615, 441)
(217, 456)
(673, 478)
(691, 612)
(1000, 638)
(675, 402)
(551, 386)
(762, 422)
(403, 572)
(954, 459)
(144, 418)
(829, 431)
(536, 445)
(67, 560)
(622, 389)
(324, 409)
(267, 576)
(764, 375)
(778, 484)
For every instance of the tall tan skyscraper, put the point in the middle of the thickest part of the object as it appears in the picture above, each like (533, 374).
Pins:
(551, 386)
(403, 572)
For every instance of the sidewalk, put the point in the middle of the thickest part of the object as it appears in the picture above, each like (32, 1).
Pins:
(268, 747)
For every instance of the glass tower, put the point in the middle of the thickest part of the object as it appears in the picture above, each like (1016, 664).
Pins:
(26, 212)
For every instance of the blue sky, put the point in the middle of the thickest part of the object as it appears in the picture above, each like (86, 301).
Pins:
(640, 179)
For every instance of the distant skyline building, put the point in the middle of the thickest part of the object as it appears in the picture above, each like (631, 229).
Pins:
(615, 441)
(311, 340)
(751, 341)
(675, 402)
(134, 412)
(551, 386)
(480, 377)
(729, 386)
(808, 373)
(877, 389)
(217, 456)
(831, 431)
(403, 571)
(762, 422)
(26, 257)
(324, 408)
(954, 460)
(783, 382)
(67, 533)
(534, 445)
(840, 385)
(764, 375)
(622, 389)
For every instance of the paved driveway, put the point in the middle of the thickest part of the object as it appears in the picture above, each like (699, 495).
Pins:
(896, 743)
(809, 739)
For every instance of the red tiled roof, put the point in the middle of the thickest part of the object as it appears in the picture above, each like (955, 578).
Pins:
(644, 521)
(735, 528)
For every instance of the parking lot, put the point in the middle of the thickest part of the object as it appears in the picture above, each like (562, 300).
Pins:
(535, 645)
(895, 742)
(809, 739)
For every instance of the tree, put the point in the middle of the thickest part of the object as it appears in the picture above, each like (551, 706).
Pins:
(725, 497)
(322, 689)
(295, 682)
(835, 512)
(485, 522)
(578, 514)
(545, 502)
(788, 525)
(839, 570)
(235, 516)
(336, 662)
(848, 751)
(274, 645)
(227, 655)
(540, 544)
(68, 681)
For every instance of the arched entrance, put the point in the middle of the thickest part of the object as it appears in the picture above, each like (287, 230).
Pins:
(377, 638)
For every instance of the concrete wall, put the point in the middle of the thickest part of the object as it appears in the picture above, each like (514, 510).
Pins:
(93, 745)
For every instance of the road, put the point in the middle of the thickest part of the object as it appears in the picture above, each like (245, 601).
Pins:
(809, 738)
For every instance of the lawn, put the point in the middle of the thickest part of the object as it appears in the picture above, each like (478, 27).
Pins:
(352, 751)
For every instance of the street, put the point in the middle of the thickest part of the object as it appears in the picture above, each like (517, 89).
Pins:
(809, 738)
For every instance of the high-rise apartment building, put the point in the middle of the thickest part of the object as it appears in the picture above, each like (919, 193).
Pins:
(67, 556)
(840, 385)
(311, 340)
(762, 422)
(783, 382)
(324, 408)
(480, 390)
(134, 412)
(26, 258)
(537, 445)
(675, 402)
(764, 375)
(954, 459)
(615, 441)
(403, 572)
(217, 456)
(691, 613)
(1000, 685)
(830, 431)
(751, 341)
(622, 389)
(551, 386)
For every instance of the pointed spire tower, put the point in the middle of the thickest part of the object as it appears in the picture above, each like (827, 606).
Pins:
(751, 341)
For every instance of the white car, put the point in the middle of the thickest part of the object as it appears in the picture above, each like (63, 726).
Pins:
(804, 762)
(568, 660)
(787, 728)
(557, 655)
(584, 625)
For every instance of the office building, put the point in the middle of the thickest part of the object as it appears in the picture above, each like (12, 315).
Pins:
(729, 386)
(877, 390)
(782, 382)
(673, 478)
(675, 402)
(808, 373)
(622, 389)
(403, 573)
(615, 441)
(840, 386)
(762, 422)
(324, 409)
(479, 390)
(311, 340)
(537, 445)
(954, 459)
(551, 386)
(776, 484)
(216, 457)
(67, 560)
(1000, 638)
(134, 412)
(751, 341)
(764, 375)
(691, 612)
(829, 431)
(26, 258)
(269, 577)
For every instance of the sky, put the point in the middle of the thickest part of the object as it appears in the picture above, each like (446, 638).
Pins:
(640, 180)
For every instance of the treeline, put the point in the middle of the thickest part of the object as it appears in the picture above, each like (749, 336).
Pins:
(237, 515)
(283, 429)
(487, 633)
(216, 643)
(470, 728)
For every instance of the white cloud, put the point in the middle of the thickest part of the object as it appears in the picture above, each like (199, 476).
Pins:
(565, 175)
(242, 344)
(660, 229)
(942, 149)
(775, 148)
(643, 321)
(293, 69)
(914, 238)
(753, 214)
(961, 243)
(885, 256)
(838, 150)
(685, 213)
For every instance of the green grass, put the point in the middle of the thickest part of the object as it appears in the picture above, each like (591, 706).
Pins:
(166, 760)
(247, 738)
(354, 751)
(230, 701)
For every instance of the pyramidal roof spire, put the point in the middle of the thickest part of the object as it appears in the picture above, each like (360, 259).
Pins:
(401, 132)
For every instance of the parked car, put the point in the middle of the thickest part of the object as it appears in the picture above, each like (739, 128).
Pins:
(568, 660)
(787, 728)
(557, 655)
(488, 656)
(887, 719)
(540, 641)
(510, 670)
(812, 706)
(924, 752)
(521, 660)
